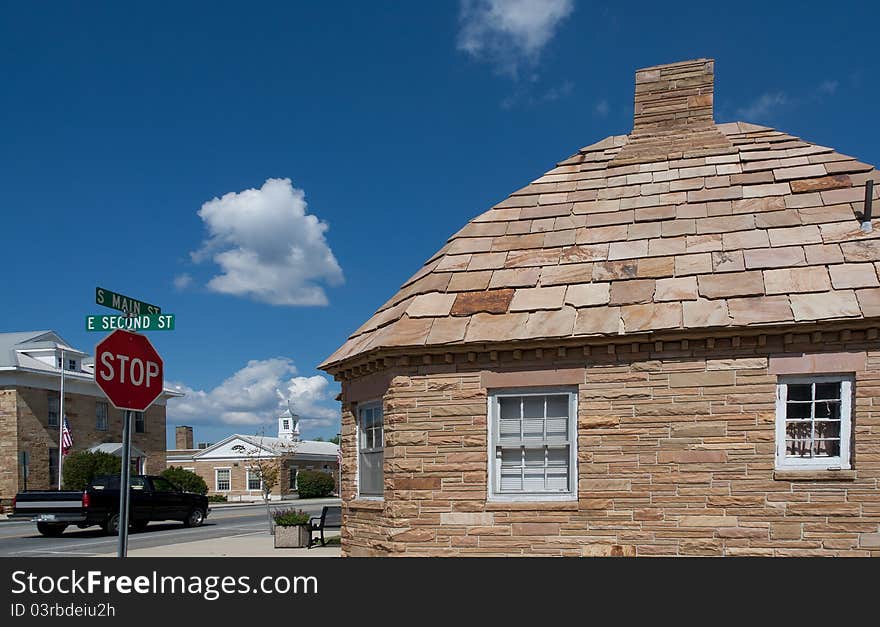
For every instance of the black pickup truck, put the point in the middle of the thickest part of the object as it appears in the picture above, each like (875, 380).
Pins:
(152, 498)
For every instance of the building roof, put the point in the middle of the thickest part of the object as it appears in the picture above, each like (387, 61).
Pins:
(16, 349)
(271, 445)
(10, 343)
(300, 447)
(115, 448)
(683, 224)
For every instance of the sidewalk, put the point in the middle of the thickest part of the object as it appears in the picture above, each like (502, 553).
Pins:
(258, 544)
(285, 502)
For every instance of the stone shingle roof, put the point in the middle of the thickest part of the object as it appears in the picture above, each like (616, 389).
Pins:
(683, 224)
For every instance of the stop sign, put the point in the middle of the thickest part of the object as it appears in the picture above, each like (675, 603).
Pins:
(129, 370)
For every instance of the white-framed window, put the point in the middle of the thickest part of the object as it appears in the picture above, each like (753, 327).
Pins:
(140, 426)
(222, 479)
(533, 445)
(53, 468)
(291, 478)
(254, 479)
(101, 412)
(371, 450)
(813, 422)
(71, 364)
(24, 461)
(52, 414)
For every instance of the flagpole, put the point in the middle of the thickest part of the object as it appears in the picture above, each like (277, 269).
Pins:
(61, 423)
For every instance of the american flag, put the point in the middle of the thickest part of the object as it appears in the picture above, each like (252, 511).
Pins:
(66, 438)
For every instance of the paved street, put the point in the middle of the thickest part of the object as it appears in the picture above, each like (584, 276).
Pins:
(21, 538)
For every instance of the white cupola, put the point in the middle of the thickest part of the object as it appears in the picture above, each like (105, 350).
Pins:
(288, 426)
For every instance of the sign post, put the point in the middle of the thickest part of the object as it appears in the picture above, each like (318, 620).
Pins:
(131, 373)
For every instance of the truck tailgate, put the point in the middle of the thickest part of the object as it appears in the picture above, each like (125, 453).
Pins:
(49, 506)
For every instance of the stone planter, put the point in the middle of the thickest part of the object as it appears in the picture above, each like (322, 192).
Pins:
(292, 537)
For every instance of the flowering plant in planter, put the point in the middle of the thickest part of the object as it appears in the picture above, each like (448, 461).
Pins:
(290, 517)
(291, 528)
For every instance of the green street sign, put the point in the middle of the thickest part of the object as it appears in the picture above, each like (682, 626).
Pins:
(124, 303)
(153, 322)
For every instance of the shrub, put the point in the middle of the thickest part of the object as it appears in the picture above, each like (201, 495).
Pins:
(312, 484)
(186, 480)
(290, 517)
(81, 468)
(217, 498)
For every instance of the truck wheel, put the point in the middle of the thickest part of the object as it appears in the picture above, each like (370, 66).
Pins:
(111, 525)
(195, 518)
(52, 530)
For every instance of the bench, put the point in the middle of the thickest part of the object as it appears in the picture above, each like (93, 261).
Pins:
(330, 518)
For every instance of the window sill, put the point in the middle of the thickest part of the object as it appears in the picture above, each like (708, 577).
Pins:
(543, 506)
(814, 475)
(362, 503)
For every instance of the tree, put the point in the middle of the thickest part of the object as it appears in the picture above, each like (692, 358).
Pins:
(335, 439)
(266, 464)
(81, 468)
(186, 480)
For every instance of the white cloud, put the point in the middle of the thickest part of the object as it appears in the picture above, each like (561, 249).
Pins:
(255, 396)
(602, 108)
(509, 33)
(828, 87)
(267, 246)
(182, 281)
(763, 107)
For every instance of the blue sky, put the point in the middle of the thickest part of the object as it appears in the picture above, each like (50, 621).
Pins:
(124, 126)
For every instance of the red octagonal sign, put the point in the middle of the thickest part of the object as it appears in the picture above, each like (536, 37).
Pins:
(129, 370)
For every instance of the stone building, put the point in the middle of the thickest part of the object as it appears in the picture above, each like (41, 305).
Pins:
(665, 345)
(227, 466)
(30, 368)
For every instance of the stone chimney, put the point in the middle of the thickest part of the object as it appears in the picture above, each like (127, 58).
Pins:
(183, 437)
(673, 114)
(674, 96)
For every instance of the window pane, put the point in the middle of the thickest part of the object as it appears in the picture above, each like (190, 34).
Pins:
(534, 457)
(557, 428)
(533, 407)
(533, 480)
(799, 430)
(828, 390)
(511, 480)
(827, 410)
(797, 448)
(509, 406)
(827, 429)
(557, 406)
(533, 428)
(370, 474)
(557, 456)
(508, 429)
(511, 457)
(511, 469)
(826, 448)
(800, 392)
(798, 411)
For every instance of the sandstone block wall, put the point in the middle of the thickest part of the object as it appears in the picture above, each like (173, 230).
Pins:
(24, 427)
(676, 448)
